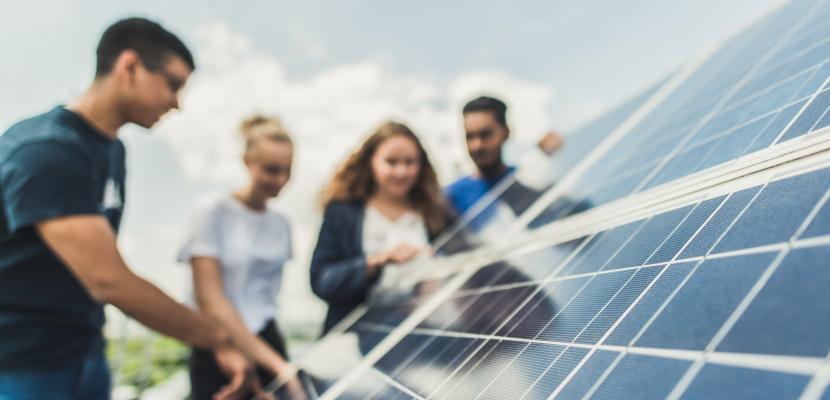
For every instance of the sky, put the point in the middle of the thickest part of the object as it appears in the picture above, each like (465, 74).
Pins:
(334, 70)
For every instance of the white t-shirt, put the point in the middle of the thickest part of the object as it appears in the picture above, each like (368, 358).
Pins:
(380, 234)
(251, 247)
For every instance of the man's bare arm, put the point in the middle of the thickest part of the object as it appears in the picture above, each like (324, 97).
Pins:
(87, 245)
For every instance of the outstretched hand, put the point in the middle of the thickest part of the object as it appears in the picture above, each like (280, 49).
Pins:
(551, 142)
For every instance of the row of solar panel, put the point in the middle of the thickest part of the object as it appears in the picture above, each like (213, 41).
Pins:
(744, 99)
(558, 321)
(677, 306)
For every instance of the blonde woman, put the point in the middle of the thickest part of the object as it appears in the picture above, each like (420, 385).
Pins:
(237, 248)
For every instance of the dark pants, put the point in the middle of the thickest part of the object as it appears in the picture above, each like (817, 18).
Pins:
(206, 378)
(86, 377)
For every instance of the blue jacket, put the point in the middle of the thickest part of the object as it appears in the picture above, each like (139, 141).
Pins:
(338, 264)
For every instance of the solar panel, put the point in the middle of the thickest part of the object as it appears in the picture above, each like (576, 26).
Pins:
(685, 255)
(762, 88)
(641, 329)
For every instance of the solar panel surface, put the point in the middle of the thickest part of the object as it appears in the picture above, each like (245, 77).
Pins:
(687, 259)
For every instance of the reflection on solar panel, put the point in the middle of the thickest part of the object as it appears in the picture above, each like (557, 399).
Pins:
(686, 254)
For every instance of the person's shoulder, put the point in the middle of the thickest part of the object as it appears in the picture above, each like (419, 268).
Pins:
(344, 211)
(345, 206)
(461, 184)
(41, 133)
(48, 125)
(211, 205)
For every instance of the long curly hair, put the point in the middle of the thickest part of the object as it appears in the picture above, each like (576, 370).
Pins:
(354, 180)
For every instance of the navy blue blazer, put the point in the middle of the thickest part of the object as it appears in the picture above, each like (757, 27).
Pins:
(338, 264)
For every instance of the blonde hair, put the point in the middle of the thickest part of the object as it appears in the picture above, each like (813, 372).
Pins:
(354, 181)
(260, 126)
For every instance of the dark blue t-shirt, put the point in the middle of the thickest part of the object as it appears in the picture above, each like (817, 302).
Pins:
(51, 165)
(465, 192)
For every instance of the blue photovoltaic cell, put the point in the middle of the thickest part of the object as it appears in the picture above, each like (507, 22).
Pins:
(684, 232)
(592, 259)
(433, 363)
(534, 316)
(522, 372)
(704, 302)
(447, 315)
(618, 305)
(480, 370)
(556, 373)
(770, 133)
(810, 117)
(490, 310)
(787, 316)
(714, 228)
(642, 377)
(588, 374)
(820, 225)
(647, 239)
(403, 353)
(648, 305)
(715, 382)
(777, 212)
(581, 310)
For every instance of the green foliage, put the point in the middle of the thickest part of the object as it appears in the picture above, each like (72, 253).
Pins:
(143, 362)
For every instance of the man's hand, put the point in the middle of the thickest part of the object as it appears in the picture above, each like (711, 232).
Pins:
(240, 374)
(551, 142)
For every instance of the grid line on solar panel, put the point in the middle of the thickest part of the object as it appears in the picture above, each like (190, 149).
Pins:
(667, 355)
(805, 223)
(711, 256)
(736, 314)
(724, 382)
(393, 383)
(557, 372)
(772, 362)
(618, 356)
(612, 141)
(816, 116)
(765, 113)
(504, 384)
(819, 385)
(626, 187)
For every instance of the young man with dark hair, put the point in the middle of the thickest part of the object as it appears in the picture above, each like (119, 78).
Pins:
(61, 195)
(485, 123)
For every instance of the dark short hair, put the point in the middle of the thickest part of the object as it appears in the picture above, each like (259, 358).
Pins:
(488, 104)
(151, 41)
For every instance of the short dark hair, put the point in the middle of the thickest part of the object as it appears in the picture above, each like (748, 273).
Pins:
(151, 41)
(488, 104)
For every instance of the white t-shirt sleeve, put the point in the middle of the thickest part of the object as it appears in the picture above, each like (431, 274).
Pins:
(203, 239)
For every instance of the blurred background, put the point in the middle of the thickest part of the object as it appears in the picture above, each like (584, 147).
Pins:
(333, 71)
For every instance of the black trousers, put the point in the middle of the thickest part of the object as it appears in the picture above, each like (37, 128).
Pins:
(206, 378)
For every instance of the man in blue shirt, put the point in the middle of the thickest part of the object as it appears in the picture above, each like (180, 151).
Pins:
(485, 123)
(62, 181)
